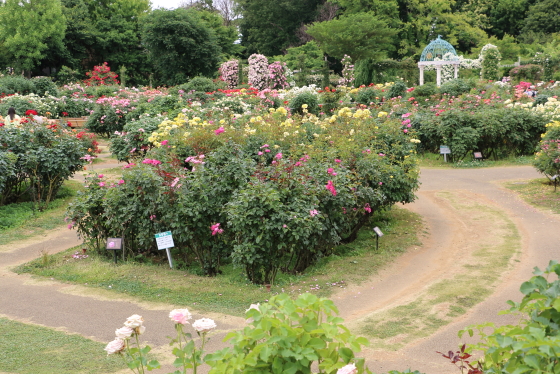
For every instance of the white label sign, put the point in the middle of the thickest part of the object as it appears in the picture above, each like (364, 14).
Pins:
(164, 240)
(377, 231)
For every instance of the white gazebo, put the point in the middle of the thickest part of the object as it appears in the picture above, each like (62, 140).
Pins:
(433, 55)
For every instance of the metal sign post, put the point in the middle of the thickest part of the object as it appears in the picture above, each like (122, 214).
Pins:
(444, 150)
(115, 244)
(379, 234)
(164, 240)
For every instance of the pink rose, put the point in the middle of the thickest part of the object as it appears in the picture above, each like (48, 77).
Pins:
(348, 369)
(180, 316)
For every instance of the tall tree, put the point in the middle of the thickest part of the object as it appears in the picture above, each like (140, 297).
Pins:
(29, 29)
(269, 27)
(359, 35)
(180, 45)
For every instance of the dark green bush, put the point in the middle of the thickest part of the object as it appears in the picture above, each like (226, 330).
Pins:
(44, 86)
(367, 96)
(12, 84)
(455, 87)
(199, 84)
(397, 89)
(304, 98)
(540, 99)
(425, 91)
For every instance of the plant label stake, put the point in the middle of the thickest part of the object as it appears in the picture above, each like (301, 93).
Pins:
(164, 240)
(444, 150)
(115, 244)
(379, 234)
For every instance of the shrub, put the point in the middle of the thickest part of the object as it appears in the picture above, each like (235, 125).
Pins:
(309, 99)
(454, 87)
(397, 89)
(529, 72)
(426, 90)
(200, 84)
(101, 75)
(547, 159)
(367, 96)
(490, 61)
(533, 344)
(44, 86)
(46, 157)
(132, 142)
(12, 84)
(258, 71)
(306, 328)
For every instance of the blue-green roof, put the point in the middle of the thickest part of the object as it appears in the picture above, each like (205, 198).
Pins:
(437, 49)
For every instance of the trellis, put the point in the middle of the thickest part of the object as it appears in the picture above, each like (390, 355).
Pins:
(433, 55)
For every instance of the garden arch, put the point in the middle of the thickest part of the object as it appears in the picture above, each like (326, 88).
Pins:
(433, 55)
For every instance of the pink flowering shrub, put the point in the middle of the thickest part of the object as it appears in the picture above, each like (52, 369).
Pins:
(347, 72)
(258, 71)
(277, 75)
(229, 73)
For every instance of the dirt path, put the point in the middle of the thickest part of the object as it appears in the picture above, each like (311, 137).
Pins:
(464, 210)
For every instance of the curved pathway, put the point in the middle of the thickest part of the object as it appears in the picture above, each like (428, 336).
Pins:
(96, 314)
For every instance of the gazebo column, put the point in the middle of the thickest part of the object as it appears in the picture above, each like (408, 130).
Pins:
(421, 74)
(456, 70)
(438, 75)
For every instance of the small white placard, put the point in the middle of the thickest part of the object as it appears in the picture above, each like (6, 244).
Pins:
(377, 231)
(444, 150)
(164, 240)
(554, 177)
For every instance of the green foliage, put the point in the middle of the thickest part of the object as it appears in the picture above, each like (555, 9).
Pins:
(397, 89)
(425, 91)
(200, 84)
(269, 28)
(304, 98)
(530, 72)
(46, 157)
(180, 45)
(311, 53)
(547, 159)
(360, 36)
(30, 29)
(496, 132)
(289, 336)
(44, 86)
(132, 142)
(367, 96)
(12, 84)
(490, 61)
(454, 87)
(532, 345)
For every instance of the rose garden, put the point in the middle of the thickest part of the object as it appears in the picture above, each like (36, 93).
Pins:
(270, 181)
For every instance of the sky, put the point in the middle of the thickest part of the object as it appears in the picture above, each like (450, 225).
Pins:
(169, 4)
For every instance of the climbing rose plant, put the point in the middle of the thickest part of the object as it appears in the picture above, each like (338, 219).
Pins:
(258, 71)
(229, 73)
(101, 75)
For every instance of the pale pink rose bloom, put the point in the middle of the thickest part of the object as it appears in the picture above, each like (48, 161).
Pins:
(204, 325)
(124, 332)
(134, 321)
(348, 369)
(116, 346)
(180, 316)
(140, 330)
(253, 306)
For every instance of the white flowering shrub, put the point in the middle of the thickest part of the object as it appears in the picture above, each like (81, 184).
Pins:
(258, 71)
(299, 90)
(347, 72)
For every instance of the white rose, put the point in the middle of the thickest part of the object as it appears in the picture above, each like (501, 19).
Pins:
(134, 321)
(204, 325)
(124, 332)
(116, 346)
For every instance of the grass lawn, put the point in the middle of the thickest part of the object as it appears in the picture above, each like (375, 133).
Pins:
(230, 292)
(30, 349)
(21, 220)
(539, 193)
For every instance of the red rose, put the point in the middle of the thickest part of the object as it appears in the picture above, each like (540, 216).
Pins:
(31, 112)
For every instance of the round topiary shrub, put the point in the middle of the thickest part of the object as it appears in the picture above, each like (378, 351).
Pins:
(304, 98)
(426, 90)
(200, 84)
(455, 87)
(44, 86)
(367, 96)
(397, 89)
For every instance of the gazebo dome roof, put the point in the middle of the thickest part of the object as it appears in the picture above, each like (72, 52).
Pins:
(437, 49)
